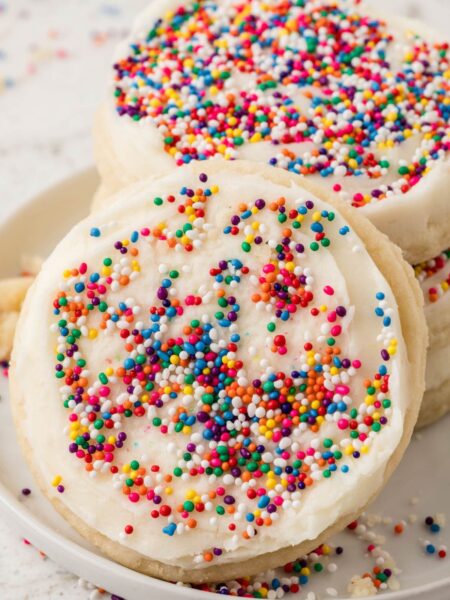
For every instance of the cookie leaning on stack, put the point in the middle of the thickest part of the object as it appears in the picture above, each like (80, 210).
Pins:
(271, 339)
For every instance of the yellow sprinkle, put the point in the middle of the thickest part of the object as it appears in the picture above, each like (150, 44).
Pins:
(56, 480)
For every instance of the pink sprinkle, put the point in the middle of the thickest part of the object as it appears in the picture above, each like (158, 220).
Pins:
(268, 268)
(343, 423)
(133, 497)
(342, 389)
(328, 290)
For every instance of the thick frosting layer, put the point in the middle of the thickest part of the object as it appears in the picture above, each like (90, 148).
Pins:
(213, 368)
(319, 87)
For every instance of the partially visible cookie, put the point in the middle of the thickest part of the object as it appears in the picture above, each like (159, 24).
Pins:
(268, 338)
(329, 90)
(12, 294)
(434, 278)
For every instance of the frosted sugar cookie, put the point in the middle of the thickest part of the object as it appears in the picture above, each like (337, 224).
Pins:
(322, 88)
(434, 277)
(218, 371)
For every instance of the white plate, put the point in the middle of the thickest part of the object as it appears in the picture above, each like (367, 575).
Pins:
(425, 473)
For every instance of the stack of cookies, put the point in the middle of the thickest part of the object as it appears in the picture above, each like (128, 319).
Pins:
(224, 363)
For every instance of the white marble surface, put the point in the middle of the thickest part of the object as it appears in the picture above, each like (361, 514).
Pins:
(54, 56)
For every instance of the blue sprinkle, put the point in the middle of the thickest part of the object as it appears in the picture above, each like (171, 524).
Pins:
(79, 287)
(275, 583)
(95, 232)
(128, 363)
(430, 549)
(344, 230)
(379, 311)
(380, 296)
(345, 469)
(170, 529)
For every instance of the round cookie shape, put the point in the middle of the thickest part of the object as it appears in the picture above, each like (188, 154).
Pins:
(434, 278)
(222, 369)
(320, 88)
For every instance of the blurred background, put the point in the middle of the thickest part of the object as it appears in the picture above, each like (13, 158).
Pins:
(54, 67)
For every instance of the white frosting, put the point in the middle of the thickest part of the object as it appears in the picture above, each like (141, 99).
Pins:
(345, 265)
(408, 219)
